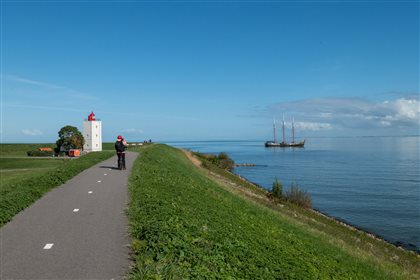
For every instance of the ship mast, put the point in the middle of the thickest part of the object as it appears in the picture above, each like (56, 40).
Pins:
(274, 129)
(283, 129)
(293, 130)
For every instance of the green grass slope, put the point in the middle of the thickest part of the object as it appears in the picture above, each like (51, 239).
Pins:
(29, 163)
(20, 189)
(15, 169)
(20, 150)
(185, 225)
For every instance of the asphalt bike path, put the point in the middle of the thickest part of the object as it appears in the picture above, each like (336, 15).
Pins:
(76, 231)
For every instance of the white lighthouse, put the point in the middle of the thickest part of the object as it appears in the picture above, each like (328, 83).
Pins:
(92, 132)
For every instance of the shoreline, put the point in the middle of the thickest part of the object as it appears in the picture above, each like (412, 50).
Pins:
(408, 247)
(399, 245)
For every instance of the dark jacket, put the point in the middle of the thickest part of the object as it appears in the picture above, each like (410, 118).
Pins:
(119, 146)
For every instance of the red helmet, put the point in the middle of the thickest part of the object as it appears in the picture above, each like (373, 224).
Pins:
(119, 137)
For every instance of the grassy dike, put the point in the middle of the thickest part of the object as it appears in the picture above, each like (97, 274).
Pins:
(185, 224)
(18, 193)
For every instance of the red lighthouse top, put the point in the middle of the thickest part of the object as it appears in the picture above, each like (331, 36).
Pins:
(91, 117)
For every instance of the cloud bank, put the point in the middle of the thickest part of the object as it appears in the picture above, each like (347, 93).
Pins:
(402, 114)
(133, 131)
(32, 132)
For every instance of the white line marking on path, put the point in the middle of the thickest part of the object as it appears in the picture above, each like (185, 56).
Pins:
(76, 210)
(90, 191)
(105, 174)
(48, 246)
(99, 181)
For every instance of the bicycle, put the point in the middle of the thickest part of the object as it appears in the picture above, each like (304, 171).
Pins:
(121, 161)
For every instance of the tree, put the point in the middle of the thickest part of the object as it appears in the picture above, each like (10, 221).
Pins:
(69, 138)
(277, 188)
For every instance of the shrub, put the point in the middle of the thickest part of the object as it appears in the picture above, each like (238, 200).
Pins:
(225, 161)
(222, 160)
(223, 155)
(277, 189)
(298, 196)
(37, 153)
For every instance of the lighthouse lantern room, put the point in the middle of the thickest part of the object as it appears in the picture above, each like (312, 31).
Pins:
(92, 132)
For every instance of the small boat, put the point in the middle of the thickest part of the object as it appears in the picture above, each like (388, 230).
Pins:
(283, 143)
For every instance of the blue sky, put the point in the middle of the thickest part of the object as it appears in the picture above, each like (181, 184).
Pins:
(209, 70)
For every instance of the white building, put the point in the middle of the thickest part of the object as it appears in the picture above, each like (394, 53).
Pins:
(92, 132)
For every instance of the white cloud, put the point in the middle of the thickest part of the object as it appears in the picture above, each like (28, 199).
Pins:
(133, 131)
(56, 89)
(404, 108)
(313, 126)
(356, 113)
(32, 82)
(32, 132)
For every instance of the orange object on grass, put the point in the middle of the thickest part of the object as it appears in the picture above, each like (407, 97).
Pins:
(74, 153)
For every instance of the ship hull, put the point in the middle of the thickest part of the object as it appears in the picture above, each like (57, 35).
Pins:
(269, 144)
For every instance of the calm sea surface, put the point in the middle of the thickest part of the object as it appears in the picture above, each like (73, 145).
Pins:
(372, 183)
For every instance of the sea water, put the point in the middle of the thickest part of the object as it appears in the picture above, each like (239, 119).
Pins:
(372, 183)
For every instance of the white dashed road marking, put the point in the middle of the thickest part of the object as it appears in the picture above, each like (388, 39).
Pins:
(76, 210)
(48, 246)
(99, 181)
(90, 191)
(105, 174)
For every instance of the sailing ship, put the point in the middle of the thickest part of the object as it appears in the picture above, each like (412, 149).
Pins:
(283, 143)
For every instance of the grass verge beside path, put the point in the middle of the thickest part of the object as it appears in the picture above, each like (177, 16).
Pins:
(16, 169)
(16, 195)
(185, 225)
(28, 163)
